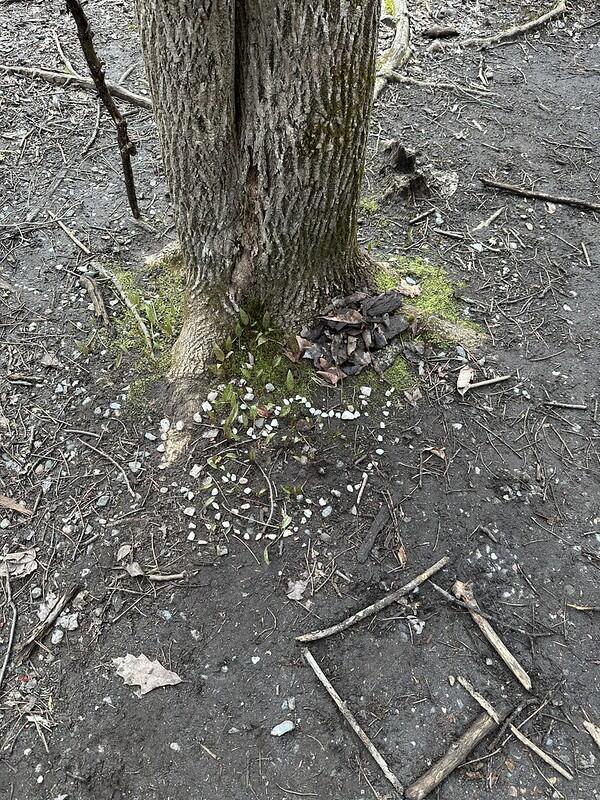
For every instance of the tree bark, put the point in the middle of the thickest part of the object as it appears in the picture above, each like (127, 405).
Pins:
(262, 108)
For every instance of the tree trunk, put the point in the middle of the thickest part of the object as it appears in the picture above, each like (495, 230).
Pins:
(262, 109)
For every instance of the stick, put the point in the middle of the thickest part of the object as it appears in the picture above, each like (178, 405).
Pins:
(41, 629)
(593, 730)
(457, 753)
(71, 235)
(550, 198)
(94, 293)
(541, 753)
(464, 592)
(126, 146)
(351, 720)
(375, 607)
(164, 578)
(128, 303)
(510, 33)
(399, 52)
(11, 635)
(479, 698)
(112, 461)
(489, 382)
(57, 78)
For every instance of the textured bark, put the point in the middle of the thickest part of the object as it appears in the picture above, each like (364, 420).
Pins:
(262, 109)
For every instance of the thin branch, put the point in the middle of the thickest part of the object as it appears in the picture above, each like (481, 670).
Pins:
(375, 607)
(126, 146)
(517, 30)
(587, 205)
(352, 721)
(399, 52)
(65, 78)
(13, 625)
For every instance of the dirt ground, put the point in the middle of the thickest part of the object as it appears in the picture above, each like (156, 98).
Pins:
(503, 481)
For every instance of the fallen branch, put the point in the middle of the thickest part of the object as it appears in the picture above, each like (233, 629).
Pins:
(57, 78)
(399, 52)
(42, 628)
(352, 721)
(457, 753)
(479, 698)
(517, 30)
(126, 146)
(375, 607)
(587, 205)
(11, 634)
(464, 592)
(541, 753)
(91, 287)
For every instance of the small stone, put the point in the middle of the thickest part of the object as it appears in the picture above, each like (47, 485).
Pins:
(175, 746)
(366, 391)
(269, 387)
(196, 471)
(326, 511)
(57, 636)
(103, 500)
(189, 511)
(222, 550)
(135, 466)
(284, 727)
(347, 414)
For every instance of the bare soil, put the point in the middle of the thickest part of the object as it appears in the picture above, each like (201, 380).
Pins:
(500, 480)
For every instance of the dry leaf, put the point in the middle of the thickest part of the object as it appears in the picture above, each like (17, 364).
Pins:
(18, 565)
(123, 551)
(296, 589)
(148, 675)
(134, 570)
(413, 396)
(465, 376)
(14, 505)
(401, 556)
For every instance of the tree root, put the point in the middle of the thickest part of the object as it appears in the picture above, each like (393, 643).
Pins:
(460, 88)
(398, 54)
(454, 333)
(509, 33)
(64, 78)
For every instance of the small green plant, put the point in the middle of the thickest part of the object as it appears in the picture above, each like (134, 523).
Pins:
(369, 205)
(399, 375)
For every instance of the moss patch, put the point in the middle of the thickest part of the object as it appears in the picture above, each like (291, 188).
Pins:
(369, 205)
(400, 376)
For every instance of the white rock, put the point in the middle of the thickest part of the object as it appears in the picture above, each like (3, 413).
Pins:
(366, 391)
(284, 727)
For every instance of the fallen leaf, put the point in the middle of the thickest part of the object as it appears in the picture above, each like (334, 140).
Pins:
(134, 570)
(401, 556)
(440, 452)
(14, 505)
(18, 565)
(123, 551)
(413, 396)
(465, 376)
(49, 360)
(140, 671)
(296, 589)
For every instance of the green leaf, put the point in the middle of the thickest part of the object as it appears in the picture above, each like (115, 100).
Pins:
(244, 318)
(289, 381)
(266, 321)
(218, 353)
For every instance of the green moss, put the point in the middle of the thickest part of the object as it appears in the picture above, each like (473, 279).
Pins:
(389, 7)
(399, 375)
(369, 205)
(437, 290)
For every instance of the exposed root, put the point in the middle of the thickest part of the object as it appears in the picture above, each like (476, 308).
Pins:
(509, 33)
(170, 257)
(452, 332)
(63, 78)
(398, 54)
(460, 88)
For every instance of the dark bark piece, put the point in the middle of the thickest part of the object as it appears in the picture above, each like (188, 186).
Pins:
(379, 340)
(440, 32)
(396, 325)
(126, 146)
(400, 158)
(458, 752)
(386, 303)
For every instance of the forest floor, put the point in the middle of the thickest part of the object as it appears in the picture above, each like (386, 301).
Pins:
(264, 533)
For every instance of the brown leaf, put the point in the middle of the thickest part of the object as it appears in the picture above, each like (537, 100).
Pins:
(409, 289)
(148, 675)
(14, 505)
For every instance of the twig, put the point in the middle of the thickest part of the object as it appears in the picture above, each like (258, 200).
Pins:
(128, 303)
(573, 406)
(593, 730)
(91, 287)
(71, 235)
(62, 54)
(11, 634)
(112, 461)
(464, 592)
(517, 30)
(479, 698)
(375, 607)
(126, 146)
(459, 750)
(57, 78)
(351, 720)
(541, 753)
(164, 578)
(41, 629)
(489, 382)
(550, 198)
(399, 52)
